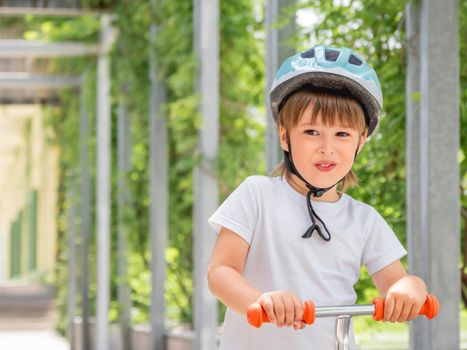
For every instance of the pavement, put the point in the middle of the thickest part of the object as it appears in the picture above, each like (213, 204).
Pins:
(32, 340)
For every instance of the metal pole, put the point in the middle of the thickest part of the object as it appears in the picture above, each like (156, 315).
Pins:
(85, 216)
(349, 310)
(277, 49)
(206, 28)
(19, 48)
(158, 222)
(27, 81)
(343, 336)
(47, 11)
(71, 263)
(416, 238)
(439, 175)
(103, 188)
(123, 196)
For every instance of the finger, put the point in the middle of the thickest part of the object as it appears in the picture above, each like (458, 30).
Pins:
(298, 325)
(398, 306)
(289, 309)
(388, 308)
(268, 306)
(298, 309)
(279, 311)
(405, 312)
(414, 312)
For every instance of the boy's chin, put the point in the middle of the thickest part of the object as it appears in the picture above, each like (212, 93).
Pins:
(324, 185)
(321, 181)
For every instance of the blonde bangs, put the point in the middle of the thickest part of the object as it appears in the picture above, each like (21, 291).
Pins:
(332, 109)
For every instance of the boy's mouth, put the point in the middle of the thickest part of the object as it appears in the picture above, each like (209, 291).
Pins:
(325, 166)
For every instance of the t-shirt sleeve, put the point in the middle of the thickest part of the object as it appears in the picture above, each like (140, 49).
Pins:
(238, 213)
(382, 245)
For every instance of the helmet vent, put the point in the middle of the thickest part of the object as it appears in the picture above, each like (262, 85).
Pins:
(331, 55)
(355, 60)
(308, 54)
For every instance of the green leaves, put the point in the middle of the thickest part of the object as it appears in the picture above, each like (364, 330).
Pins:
(375, 28)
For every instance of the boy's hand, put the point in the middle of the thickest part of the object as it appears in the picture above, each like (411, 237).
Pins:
(404, 299)
(283, 308)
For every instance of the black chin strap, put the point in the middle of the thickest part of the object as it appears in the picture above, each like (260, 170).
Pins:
(326, 235)
(316, 221)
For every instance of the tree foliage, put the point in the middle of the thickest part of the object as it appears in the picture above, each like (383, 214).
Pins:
(374, 27)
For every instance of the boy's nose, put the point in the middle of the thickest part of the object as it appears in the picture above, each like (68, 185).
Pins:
(326, 147)
(326, 151)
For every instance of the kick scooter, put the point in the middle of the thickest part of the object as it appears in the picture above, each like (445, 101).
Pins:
(257, 316)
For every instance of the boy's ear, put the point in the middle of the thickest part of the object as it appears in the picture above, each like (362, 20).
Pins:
(283, 138)
(362, 141)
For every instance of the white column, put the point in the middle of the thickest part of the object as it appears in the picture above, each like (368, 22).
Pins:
(103, 187)
(206, 20)
(124, 157)
(85, 207)
(158, 218)
(439, 168)
(71, 291)
(416, 240)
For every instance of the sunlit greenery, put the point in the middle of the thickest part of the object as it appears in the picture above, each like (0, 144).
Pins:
(375, 27)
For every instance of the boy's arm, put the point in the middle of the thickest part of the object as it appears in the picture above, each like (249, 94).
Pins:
(225, 278)
(404, 294)
(227, 283)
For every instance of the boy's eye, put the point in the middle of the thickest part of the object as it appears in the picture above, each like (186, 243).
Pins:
(311, 132)
(343, 133)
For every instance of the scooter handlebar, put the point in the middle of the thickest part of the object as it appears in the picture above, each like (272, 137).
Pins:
(256, 315)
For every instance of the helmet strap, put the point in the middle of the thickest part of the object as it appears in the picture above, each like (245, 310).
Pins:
(318, 224)
(290, 166)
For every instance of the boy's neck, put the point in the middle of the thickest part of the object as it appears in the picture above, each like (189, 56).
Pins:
(332, 195)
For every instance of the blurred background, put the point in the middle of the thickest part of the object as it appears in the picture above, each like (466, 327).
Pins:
(123, 124)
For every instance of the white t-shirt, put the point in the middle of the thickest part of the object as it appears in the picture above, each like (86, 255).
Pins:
(272, 217)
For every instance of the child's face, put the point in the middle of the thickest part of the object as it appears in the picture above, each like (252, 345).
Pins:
(322, 154)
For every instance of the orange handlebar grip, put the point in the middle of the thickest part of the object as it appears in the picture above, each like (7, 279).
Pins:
(309, 312)
(379, 309)
(256, 315)
(430, 309)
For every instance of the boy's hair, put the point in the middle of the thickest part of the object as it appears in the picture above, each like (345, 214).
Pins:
(332, 108)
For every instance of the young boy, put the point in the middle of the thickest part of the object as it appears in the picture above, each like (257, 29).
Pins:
(299, 236)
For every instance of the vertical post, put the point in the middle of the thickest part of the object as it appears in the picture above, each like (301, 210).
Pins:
(71, 262)
(32, 228)
(103, 186)
(343, 338)
(158, 222)
(439, 175)
(85, 216)
(16, 242)
(19, 244)
(416, 240)
(278, 48)
(206, 21)
(123, 194)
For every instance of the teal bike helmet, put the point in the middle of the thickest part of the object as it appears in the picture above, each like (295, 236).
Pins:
(336, 70)
(339, 70)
